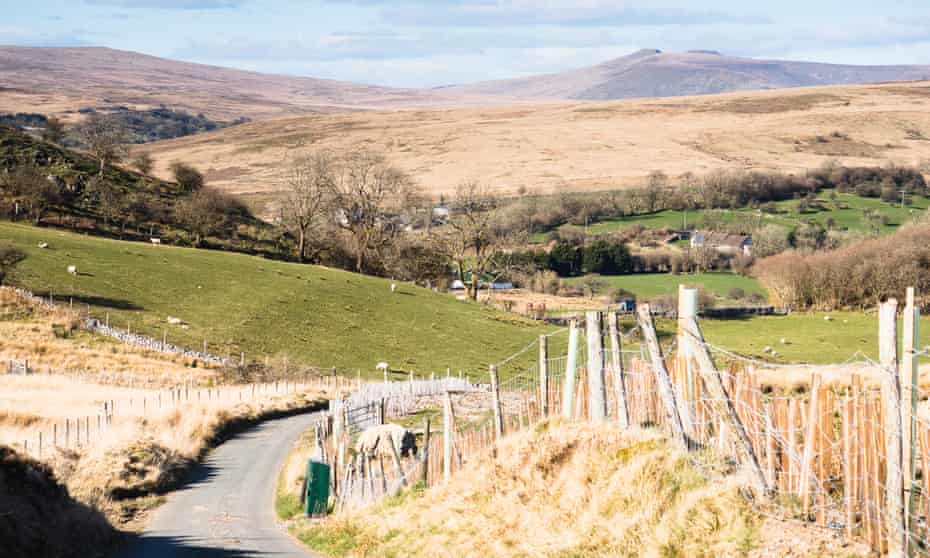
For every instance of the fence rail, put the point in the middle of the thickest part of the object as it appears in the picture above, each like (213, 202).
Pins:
(852, 456)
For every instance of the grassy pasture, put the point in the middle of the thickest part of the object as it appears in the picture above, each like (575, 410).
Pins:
(846, 211)
(312, 314)
(646, 285)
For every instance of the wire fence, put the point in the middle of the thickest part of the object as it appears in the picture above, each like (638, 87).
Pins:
(847, 449)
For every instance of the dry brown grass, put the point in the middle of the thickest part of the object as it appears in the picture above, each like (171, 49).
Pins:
(520, 299)
(145, 447)
(569, 490)
(795, 378)
(583, 146)
(51, 339)
(142, 451)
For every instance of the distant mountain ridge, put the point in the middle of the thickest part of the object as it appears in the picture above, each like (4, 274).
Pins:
(653, 73)
(33, 78)
(60, 80)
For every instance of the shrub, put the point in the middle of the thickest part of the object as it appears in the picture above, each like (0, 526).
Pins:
(857, 275)
(188, 178)
(736, 293)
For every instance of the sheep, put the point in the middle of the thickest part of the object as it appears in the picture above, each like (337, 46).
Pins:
(155, 241)
(377, 441)
(72, 269)
(393, 287)
(174, 321)
(43, 245)
(382, 366)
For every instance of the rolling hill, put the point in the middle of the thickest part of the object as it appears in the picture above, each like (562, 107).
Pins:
(312, 314)
(579, 146)
(653, 73)
(63, 80)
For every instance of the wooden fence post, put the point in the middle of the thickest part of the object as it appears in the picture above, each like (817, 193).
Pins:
(909, 397)
(616, 360)
(663, 382)
(543, 376)
(687, 310)
(694, 340)
(597, 397)
(571, 368)
(424, 457)
(810, 435)
(496, 395)
(447, 437)
(891, 399)
(397, 463)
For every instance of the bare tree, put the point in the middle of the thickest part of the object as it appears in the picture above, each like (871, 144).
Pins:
(104, 137)
(109, 199)
(369, 197)
(209, 212)
(34, 192)
(143, 162)
(187, 176)
(476, 236)
(54, 130)
(309, 180)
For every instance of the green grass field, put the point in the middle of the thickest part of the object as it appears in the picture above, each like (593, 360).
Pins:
(312, 314)
(647, 285)
(846, 212)
(810, 337)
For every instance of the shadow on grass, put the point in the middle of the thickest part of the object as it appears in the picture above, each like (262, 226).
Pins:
(99, 301)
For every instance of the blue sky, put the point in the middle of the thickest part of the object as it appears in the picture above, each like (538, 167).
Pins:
(419, 43)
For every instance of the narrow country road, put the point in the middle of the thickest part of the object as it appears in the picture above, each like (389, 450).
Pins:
(227, 508)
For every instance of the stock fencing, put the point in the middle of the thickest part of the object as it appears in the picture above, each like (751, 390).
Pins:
(847, 450)
(90, 428)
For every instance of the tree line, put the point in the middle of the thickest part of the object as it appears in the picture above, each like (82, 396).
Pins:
(724, 189)
(854, 276)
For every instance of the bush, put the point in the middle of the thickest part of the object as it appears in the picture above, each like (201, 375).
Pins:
(565, 259)
(736, 293)
(606, 258)
(854, 276)
(188, 178)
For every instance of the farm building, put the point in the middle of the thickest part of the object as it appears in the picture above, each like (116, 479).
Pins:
(723, 242)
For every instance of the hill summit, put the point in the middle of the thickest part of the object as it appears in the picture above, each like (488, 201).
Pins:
(653, 73)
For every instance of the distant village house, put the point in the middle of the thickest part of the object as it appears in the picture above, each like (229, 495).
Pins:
(723, 242)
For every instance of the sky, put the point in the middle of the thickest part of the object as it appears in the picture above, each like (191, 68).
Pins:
(426, 43)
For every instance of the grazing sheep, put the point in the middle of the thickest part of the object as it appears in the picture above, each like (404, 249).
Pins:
(72, 269)
(155, 241)
(393, 287)
(376, 441)
(382, 366)
(174, 321)
(43, 245)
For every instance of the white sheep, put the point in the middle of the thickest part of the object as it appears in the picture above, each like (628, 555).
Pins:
(376, 440)
(393, 287)
(155, 241)
(382, 366)
(72, 269)
(43, 245)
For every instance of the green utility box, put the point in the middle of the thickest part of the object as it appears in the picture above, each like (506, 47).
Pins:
(316, 496)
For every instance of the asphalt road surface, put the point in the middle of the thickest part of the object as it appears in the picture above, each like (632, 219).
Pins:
(226, 510)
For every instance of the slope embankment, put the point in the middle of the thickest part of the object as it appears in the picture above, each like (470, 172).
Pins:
(574, 490)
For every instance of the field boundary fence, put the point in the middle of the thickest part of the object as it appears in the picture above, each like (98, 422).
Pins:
(85, 430)
(847, 449)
